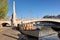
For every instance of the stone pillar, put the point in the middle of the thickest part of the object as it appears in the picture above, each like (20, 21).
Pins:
(13, 19)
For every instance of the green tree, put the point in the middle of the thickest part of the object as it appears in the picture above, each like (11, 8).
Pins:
(3, 8)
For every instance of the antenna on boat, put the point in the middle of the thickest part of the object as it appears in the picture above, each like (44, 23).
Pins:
(30, 14)
(21, 18)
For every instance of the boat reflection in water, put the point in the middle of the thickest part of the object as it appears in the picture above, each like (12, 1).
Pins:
(36, 30)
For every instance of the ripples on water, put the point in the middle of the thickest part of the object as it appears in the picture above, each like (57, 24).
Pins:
(50, 38)
(45, 38)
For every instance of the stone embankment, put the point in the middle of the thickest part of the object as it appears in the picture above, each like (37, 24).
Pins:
(1, 27)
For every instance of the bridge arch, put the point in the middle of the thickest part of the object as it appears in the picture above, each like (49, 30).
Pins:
(5, 24)
(54, 25)
(52, 22)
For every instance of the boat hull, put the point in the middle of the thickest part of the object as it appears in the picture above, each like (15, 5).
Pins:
(32, 33)
(38, 33)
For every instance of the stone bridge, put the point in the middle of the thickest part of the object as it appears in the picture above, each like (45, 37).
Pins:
(30, 20)
(41, 19)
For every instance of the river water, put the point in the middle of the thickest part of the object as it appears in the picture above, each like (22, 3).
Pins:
(51, 34)
(49, 37)
(54, 37)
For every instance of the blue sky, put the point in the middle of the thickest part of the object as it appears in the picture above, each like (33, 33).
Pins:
(35, 8)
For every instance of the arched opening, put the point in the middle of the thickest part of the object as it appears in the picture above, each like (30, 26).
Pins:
(5, 24)
(54, 25)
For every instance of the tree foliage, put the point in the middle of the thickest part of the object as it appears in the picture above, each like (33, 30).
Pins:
(3, 8)
(47, 16)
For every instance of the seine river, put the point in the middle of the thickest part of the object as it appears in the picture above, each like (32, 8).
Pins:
(50, 37)
(47, 34)
(54, 37)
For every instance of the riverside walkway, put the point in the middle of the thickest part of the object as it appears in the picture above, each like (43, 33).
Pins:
(7, 33)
